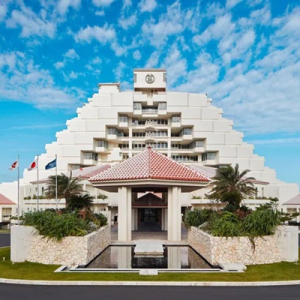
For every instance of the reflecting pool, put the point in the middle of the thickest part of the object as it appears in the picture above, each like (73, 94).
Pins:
(174, 257)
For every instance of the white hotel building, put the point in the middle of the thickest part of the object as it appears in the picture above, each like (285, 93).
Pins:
(114, 126)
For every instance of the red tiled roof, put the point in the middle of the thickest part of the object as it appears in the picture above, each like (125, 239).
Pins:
(149, 200)
(150, 164)
(294, 201)
(88, 172)
(5, 201)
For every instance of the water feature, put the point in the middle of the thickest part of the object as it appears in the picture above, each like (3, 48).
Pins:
(174, 257)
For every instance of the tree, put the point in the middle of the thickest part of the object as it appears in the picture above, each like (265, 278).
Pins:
(66, 187)
(231, 186)
(78, 202)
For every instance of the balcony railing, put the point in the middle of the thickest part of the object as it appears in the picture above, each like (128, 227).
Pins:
(149, 111)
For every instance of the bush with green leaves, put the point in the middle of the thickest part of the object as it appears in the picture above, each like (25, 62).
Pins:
(197, 217)
(242, 222)
(56, 226)
(101, 218)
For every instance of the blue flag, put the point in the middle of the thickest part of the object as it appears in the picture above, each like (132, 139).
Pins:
(51, 164)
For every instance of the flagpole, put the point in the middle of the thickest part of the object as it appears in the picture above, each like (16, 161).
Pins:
(18, 189)
(37, 177)
(56, 180)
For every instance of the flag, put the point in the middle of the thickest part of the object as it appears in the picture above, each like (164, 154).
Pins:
(32, 166)
(14, 165)
(51, 164)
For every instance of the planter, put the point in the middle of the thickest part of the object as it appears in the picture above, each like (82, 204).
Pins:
(27, 245)
(282, 246)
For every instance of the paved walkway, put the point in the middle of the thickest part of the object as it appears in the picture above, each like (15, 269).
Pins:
(148, 232)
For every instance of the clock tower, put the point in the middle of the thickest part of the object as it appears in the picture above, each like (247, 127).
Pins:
(146, 80)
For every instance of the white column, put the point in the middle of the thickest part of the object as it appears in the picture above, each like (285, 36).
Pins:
(174, 214)
(124, 214)
(174, 258)
(124, 257)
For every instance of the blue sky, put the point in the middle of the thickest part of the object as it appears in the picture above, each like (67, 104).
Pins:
(244, 54)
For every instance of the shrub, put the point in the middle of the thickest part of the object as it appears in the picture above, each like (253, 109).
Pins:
(227, 224)
(101, 218)
(56, 226)
(197, 217)
(261, 222)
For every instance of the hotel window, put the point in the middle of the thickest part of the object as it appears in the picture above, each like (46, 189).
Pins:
(162, 106)
(175, 119)
(137, 106)
(123, 119)
(134, 78)
(208, 156)
(199, 143)
(102, 144)
(90, 155)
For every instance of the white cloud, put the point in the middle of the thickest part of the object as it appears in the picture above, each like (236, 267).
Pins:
(102, 2)
(101, 34)
(59, 65)
(64, 5)
(261, 16)
(119, 70)
(29, 83)
(100, 13)
(31, 23)
(137, 55)
(152, 60)
(125, 23)
(222, 28)
(147, 5)
(232, 3)
(71, 54)
(175, 64)
(3, 11)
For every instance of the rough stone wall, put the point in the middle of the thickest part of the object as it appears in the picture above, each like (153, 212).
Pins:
(70, 251)
(235, 250)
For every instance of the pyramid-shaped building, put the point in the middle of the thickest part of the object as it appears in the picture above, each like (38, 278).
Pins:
(115, 125)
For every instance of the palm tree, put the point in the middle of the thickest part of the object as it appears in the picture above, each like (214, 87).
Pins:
(80, 202)
(231, 186)
(66, 187)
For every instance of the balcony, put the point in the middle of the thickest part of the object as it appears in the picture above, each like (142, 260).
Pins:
(149, 111)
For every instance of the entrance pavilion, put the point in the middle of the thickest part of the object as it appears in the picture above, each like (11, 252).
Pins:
(149, 171)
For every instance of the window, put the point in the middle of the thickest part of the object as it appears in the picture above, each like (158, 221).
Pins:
(137, 106)
(208, 156)
(164, 77)
(134, 78)
(102, 144)
(176, 119)
(123, 119)
(90, 155)
(162, 106)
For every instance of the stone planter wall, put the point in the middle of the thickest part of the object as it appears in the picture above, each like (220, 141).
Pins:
(282, 246)
(70, 251)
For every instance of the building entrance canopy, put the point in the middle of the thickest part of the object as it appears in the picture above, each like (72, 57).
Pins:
(149, 169)
(144, 172)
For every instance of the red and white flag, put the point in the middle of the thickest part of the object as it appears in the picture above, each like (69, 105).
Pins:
(32, 166)
(14, 165)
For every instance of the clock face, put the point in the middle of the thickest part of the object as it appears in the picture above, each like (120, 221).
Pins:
(150, 78)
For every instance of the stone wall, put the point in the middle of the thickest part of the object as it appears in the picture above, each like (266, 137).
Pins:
(282, 246)
(70, 251)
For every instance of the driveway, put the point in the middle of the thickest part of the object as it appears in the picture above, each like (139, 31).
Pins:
(31, 292)
(4, 240)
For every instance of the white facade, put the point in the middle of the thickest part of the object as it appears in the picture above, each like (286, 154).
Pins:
(115, 125)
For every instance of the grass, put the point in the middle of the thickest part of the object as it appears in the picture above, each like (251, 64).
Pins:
(33, 271)
(6, 231)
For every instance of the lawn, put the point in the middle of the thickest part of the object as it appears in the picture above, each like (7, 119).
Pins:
(33, 271)
(5, 231)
